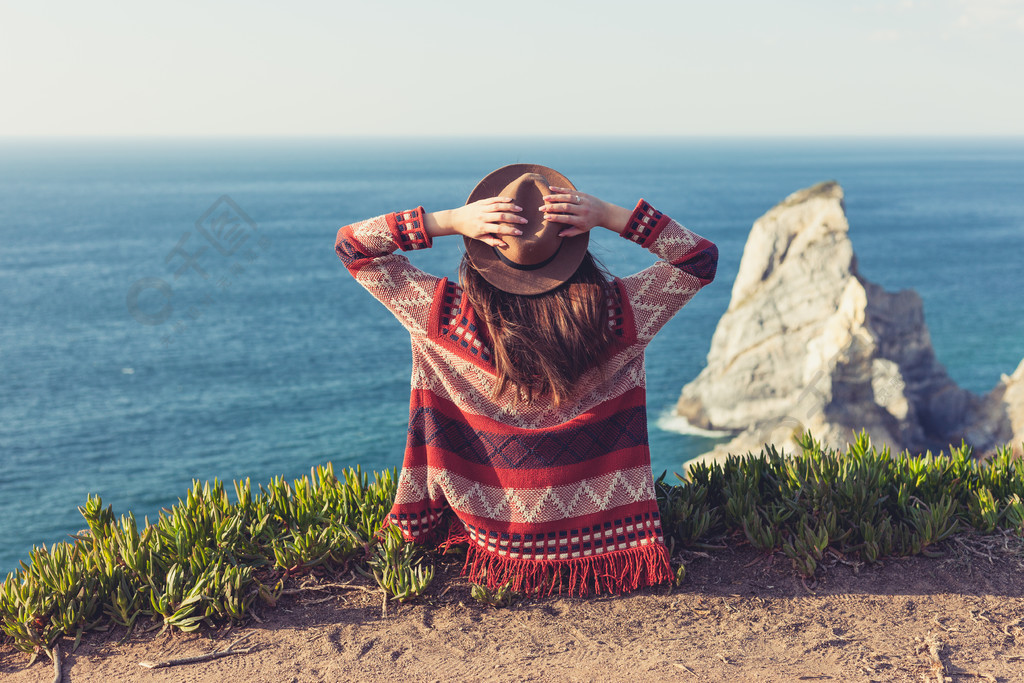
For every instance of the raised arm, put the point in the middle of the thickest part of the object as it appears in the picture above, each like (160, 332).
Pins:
(688, 261)
(367, 250)
(484, 220)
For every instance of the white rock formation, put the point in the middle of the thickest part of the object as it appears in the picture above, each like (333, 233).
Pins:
(808, 344)
(999, 420)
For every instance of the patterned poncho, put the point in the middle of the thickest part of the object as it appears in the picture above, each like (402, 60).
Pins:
(545, 497)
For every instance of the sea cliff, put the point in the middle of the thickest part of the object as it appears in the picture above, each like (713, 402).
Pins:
(809, 344)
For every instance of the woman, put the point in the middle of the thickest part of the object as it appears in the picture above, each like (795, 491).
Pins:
(528, 415)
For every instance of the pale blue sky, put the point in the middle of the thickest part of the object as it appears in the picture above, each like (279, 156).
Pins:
(631, 67)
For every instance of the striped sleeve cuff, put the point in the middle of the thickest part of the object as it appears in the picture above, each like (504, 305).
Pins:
(409, 229)
(645, 224)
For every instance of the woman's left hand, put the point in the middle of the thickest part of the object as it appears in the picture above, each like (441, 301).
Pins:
(578, 210)
(486, 220)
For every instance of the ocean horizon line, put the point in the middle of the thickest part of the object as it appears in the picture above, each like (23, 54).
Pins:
(587, 137)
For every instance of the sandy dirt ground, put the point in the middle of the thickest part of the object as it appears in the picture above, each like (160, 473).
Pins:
(738, 616)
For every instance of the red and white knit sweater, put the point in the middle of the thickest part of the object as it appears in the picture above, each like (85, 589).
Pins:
(535, 488)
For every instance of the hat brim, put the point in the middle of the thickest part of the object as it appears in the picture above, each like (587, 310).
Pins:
(514, 280)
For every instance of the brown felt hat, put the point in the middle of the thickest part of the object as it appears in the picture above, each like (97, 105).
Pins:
(538, 260)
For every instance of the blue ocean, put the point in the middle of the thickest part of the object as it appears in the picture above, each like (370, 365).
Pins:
(174, 310)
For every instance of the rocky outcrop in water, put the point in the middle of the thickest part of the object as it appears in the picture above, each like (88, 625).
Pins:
(807, 343)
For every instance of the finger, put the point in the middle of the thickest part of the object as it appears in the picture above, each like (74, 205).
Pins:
(504, 206)
(503, 230)
(571, 232)
(564, 198)
(556, 216)
(566, 218)
(493, 241)
(499, 217)
(492, 200)
(560, 208)
(567, 194)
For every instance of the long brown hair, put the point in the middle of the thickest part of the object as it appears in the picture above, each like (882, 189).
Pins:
(544, 343)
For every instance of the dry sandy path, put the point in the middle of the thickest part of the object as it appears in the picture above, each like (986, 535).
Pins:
(730, 621)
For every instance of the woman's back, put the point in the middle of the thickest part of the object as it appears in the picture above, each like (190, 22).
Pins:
(535, 485)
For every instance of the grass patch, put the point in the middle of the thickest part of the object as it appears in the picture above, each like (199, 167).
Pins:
(209, 558)
(864, 503)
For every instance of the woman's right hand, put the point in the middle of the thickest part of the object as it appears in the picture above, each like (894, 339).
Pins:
(482, 220)
(581, 212)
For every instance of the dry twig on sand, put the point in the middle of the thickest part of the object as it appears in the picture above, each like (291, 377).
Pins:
(216, 654)
(970, 547)
(684, 668)
(328, 586)
(938, 668)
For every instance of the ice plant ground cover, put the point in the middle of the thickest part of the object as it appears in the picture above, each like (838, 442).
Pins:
(210, 558)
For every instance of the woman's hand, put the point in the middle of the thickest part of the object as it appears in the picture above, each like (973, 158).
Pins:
(483, 220)
(580, 211)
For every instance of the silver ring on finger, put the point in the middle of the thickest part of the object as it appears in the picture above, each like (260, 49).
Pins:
(577, 199)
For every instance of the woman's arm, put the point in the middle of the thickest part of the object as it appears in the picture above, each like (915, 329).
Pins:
(367, 250)
(644, 225)
(688, 261)
(483, 220)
